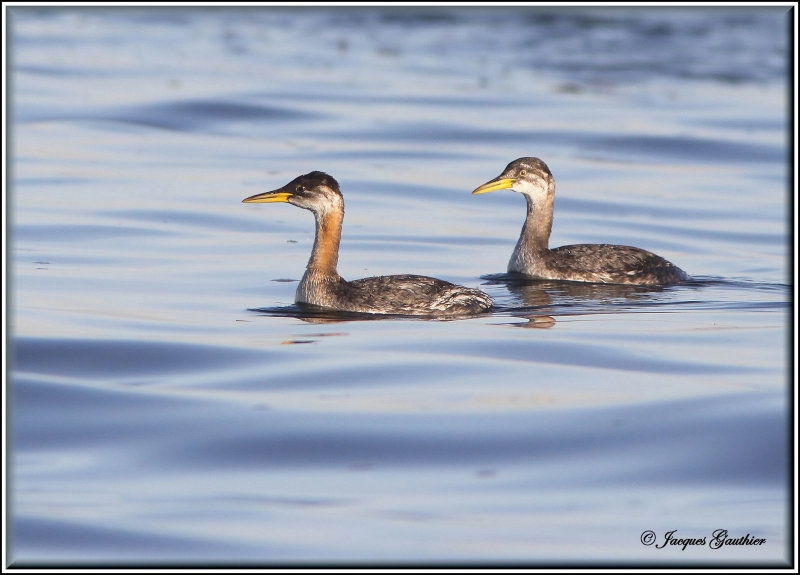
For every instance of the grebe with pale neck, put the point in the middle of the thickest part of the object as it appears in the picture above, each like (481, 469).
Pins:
(599, 263)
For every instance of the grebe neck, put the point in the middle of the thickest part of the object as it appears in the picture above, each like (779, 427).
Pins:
(325, 255)
(535, 236)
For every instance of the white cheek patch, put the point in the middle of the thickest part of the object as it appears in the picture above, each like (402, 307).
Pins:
(324, 205)
(329, 203)
(321, 204)
(536, 191)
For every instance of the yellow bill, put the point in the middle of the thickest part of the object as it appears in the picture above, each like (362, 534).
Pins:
(268, 197)
(495, 185)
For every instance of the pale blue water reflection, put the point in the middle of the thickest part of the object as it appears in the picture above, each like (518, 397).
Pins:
(170, 403)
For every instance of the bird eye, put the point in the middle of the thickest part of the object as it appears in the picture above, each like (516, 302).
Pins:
(523, 173)
(301, 189)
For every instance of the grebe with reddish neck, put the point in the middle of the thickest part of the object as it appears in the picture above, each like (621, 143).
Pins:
(323, 286)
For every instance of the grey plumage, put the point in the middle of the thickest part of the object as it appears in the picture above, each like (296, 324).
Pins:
(601, 263)
(396, 294)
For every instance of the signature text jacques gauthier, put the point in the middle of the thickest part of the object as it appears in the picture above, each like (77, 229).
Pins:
(719, 539)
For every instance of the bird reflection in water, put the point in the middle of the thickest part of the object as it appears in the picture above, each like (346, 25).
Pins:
(320, 315)
(539, 301)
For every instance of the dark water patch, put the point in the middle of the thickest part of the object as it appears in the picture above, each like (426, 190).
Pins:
(357, 376)
(65, 401)
(123, 358)
(587, 356)
(198, 115)
(686, 149)
(51, 181)
(409, 248)
(79, 233)
(728, 237)
(626, 45)
(43, 542)
(629, 46)
(60, 259)
(428, 193)
(44, 40)
(51, 416)
(59, 71)
(171, 16)
(203, 220)
(415, 101)
(727, 442)
(432, 240)
(658, 213)
(182, 116)
(419, 16)
(289, 501)
(377, 154)
(748, 124)
(445, 133)
(715, 440)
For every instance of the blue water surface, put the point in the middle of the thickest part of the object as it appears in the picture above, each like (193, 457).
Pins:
(169, 404)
